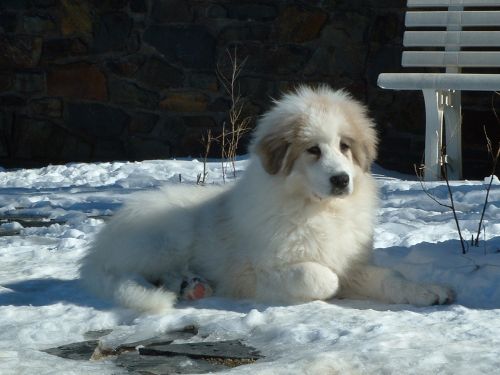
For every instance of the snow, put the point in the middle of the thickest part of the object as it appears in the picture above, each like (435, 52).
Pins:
(42, 304)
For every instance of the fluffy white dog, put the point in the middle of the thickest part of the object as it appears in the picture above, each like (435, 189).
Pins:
(297, 227)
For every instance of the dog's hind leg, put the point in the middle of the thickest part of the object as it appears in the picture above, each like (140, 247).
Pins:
(195, 288)
(186, 285)
(389, 286)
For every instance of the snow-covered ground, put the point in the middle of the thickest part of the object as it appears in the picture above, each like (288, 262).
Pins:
(42, 304)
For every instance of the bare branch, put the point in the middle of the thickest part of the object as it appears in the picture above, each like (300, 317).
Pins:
(238, 126)
(495, 157)
(426, 191)
(444, 168)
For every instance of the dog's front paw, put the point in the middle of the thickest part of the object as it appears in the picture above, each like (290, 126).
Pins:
(195, 288)
(430, 294)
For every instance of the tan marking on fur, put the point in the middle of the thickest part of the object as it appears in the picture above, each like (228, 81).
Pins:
(272, 149)
(279, 150)
(364, 136)
(297, 146)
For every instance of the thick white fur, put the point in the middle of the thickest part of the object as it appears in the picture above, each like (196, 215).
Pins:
(280, 234)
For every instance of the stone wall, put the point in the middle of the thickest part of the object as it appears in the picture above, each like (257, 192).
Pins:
(96, 80)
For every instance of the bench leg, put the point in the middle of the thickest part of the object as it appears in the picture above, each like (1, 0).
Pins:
(453, 129)
(433, 134)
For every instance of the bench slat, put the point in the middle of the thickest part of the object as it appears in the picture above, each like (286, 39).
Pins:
(448, 3)
(471, 59)
(451, 38)
(444, 18)
(439, 81)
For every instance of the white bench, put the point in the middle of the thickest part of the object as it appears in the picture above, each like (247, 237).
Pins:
(449, 34)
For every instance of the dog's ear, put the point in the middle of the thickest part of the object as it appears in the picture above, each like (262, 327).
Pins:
(272, 150)
(364, 149)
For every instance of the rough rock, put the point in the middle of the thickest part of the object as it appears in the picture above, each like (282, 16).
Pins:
(95, 120)
(112, 32)
(159, 355)
(299, 25)
(47, 106)
(142, 122)
(19, 51)
(76, 18)
(8, 22)
(63, 48)
(30, 82)
(245, 12)
(232, 349)
(38, 25)
(156, 72)
(192, 47)
(184, 102)
(165, 11)
(130, 94)
(81, 80)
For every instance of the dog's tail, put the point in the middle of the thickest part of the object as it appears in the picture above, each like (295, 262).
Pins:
(128, 290)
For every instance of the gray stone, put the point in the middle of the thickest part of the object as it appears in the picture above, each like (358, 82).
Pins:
(112, 32)
(8, 22)
(6, 79)
(140, 148)
(171, 11)
(231, 349)
(51, 107)
(29, 82)
(44, 3)
(220, 105)
(130, 94)
(138, 6)
(273, 59)
(247, 31)
(251, 11)
(76, 149)
(60, 48)
(32, 137)
(387, 28)
(216, 11)
(12, 100)
(38, 25)
(142, 122)
(322, 63)
(95, 120)
(78, 351)
(127, 66)
(6, 129)
(157, 73)
(190, 46)
(19, 51)
(108, 149)
(154, 365)
(159, 356)
(203, 81)
(14, 4)
(108, 5)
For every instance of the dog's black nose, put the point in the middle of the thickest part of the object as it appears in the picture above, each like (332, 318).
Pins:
(340, 181)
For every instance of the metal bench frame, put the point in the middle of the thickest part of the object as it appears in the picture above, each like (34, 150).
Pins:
(435, 37)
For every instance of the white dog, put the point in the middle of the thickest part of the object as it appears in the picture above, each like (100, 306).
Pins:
(297, 227)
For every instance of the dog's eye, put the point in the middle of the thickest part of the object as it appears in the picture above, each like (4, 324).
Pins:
(344, 147)
(315, 150)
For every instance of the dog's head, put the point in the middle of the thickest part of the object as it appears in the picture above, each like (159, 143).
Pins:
(317, 139)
